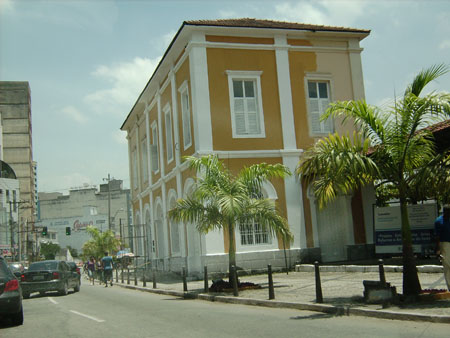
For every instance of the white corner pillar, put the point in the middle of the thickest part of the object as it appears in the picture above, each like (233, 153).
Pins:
(201, 108)
(291, 155)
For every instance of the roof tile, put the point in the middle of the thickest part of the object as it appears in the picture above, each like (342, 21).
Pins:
(259, 23)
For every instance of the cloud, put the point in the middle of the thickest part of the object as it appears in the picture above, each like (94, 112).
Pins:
(6, 5)
(444, 44)
(120, 137)
(228, 14)
(126, 79)
(161, 43)
(74, 114)
(322, 12)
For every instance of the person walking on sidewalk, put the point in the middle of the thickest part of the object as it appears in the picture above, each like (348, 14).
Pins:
(91, 269)
(107, 263)
(442, 229)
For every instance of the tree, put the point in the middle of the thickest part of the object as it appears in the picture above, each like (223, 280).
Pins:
(402, 154)
(100, 243)
(49, 250)
(221, 200)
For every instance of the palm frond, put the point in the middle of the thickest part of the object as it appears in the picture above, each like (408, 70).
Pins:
(424, 77)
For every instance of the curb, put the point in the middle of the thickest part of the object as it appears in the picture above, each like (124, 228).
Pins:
(325, 308)
(366, 268)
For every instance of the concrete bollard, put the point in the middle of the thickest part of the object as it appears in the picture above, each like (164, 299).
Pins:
(128, 275)
(271, 289)
(319, 298)
(234, 281)
(381, 271)
(184, 280)
(205, 284)
(154, 279)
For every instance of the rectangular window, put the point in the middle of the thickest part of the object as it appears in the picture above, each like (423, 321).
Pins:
(135, 171)
(186, 115)
(154, 148)
(144, 163)
(246, 104)
(253, 234)
(318, 101)
(169, 137)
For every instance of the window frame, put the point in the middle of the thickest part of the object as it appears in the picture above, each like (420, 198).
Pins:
(144, 160)
(135, 169)
(254, 232)
(255, 77)
(319, 78)
(185, 115)
(168, 129)
(155, 147)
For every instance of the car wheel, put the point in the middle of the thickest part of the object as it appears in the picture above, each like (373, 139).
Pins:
(65, 290)
(17, 318)
(77, 287)
(25, 295)
(42, 293)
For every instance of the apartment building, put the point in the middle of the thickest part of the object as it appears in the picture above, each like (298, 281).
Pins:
(16, 149)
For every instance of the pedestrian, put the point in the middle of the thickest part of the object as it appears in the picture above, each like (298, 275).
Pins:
(107, 263)
(100, 272)
(442, 230)
(91, 269)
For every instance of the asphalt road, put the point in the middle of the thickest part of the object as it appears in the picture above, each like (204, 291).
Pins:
(117, 312)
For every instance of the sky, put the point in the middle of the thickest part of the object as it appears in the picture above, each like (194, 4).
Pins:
(87, 61)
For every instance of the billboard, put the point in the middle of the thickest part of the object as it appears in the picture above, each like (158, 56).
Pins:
(387, 227)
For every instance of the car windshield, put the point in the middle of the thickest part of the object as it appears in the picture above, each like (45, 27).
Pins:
(43, 266)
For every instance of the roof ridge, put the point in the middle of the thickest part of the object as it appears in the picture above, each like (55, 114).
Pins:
(265, 23)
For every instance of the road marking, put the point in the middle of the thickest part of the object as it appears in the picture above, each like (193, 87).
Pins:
(52, 300)
(86, 316)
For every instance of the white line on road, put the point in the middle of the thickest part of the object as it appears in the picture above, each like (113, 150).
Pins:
(89, 317)
(52, 300)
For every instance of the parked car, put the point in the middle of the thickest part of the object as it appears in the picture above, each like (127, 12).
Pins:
(10, 294)
(45, 276)
(17, 268)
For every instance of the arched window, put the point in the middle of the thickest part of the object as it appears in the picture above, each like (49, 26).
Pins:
(174, 228)
(251, 232)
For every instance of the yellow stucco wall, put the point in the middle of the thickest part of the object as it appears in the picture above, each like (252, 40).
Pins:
(221, 60)
(239, 39)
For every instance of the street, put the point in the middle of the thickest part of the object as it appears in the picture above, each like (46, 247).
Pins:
(97, 311)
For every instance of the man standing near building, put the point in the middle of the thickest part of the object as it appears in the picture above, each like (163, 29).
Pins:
(442, 229)
(107, 263)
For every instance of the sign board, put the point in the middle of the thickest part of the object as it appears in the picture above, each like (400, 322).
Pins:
(388, 222)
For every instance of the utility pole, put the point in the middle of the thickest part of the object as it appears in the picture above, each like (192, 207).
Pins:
(13, 252)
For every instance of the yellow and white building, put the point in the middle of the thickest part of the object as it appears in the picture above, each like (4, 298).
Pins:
(250, 91)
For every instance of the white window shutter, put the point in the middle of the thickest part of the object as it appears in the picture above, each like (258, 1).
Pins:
(314, 115)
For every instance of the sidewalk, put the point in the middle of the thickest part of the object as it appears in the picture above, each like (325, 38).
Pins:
(342, 289)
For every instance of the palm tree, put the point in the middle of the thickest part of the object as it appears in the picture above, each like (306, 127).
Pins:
(100, 243)
(222, 201)
(403, 152)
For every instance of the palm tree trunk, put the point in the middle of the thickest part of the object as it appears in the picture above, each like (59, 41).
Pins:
(231, 253)
(411, 283)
